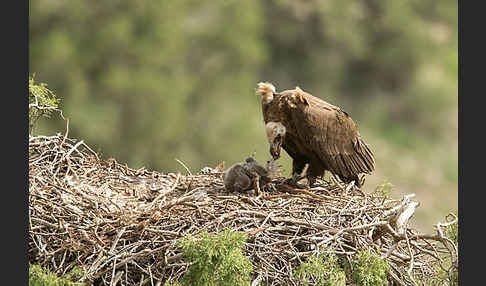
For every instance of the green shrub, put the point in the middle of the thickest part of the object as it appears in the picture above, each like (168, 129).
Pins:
(445, 275)
(448, 273)
(39, 276)
(167, 283)
(324, 269)
(42, 102)
(453, 234)
(452, 231)
(384, 189)
(369, 270)
(216, 259)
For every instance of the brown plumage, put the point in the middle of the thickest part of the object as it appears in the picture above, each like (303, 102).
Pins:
(314, 132)
(243, 176)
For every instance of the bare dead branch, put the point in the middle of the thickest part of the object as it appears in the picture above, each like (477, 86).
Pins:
(110, 220)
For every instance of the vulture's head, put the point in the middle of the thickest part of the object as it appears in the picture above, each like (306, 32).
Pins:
(266, 91)
(275, 135)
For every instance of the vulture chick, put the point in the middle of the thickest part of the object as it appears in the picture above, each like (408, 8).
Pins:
(313, 132)
(244, 176)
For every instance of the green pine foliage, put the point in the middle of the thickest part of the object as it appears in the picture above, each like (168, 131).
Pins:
(384, 189)
(42, 102)
(452, 232)
(323, 269)
(366, 269)
(216, 259)
(369, 269)
(39, 276)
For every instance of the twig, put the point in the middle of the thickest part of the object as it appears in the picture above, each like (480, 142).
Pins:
(184, 165)
(122, 232)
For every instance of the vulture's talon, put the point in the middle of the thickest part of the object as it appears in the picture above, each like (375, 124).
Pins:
(294, 182)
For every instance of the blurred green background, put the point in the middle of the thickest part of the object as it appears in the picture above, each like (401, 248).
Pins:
(147, 82)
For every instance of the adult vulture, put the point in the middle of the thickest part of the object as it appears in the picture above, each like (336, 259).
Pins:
(313, 132)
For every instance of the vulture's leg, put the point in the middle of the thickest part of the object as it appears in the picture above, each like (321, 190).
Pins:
(316, 169)
(296, 177)
(298, 164)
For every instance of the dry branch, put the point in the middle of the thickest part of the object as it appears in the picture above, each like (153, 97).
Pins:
(120, 225)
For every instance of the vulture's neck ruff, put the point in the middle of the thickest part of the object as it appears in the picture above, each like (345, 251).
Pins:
(266, 91)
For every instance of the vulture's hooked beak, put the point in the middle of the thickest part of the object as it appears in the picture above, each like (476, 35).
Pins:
(275, 147)
(275, 135)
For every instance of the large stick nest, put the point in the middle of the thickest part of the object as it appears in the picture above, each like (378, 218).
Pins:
(120, 225)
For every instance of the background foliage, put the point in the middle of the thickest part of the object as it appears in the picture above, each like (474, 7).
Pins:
(150, 81)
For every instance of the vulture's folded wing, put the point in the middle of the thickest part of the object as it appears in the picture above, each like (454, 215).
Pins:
(333, 137)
